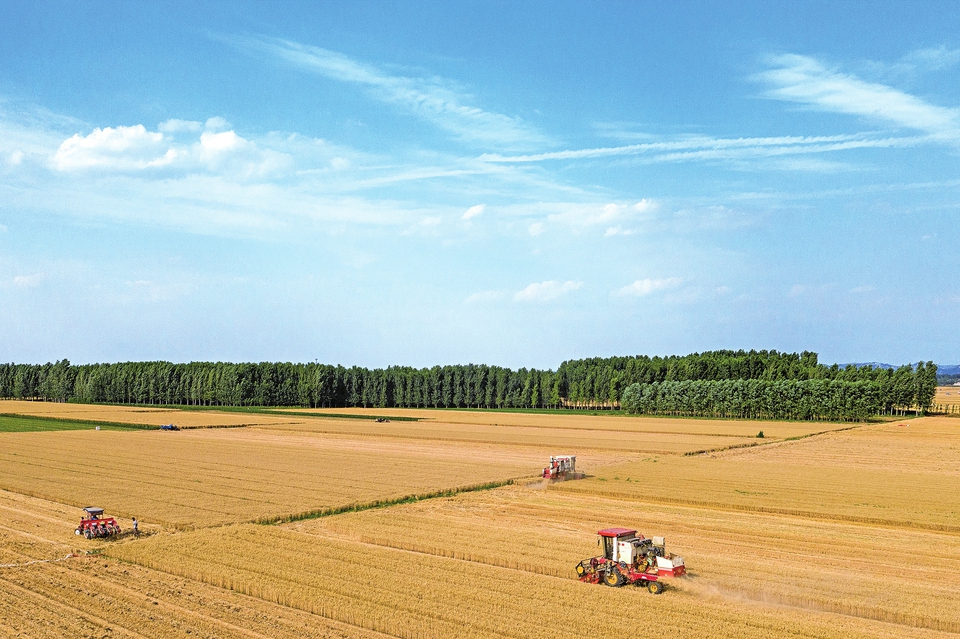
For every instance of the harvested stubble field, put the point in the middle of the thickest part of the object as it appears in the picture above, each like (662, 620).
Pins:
(407, 594)
(95, 596)
(834, 535)
(558, 439)
(866, 475)
(947, 396)
(211, 477)
(587, 421)
(905, 577)
(140, 414)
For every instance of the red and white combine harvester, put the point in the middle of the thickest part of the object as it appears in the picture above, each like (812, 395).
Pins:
(629, 558)
(96, 525)
(562, 467)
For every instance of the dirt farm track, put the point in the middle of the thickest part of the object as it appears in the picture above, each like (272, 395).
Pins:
(328, 523)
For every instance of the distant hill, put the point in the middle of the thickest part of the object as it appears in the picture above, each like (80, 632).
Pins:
(948, 369)
(873, 364)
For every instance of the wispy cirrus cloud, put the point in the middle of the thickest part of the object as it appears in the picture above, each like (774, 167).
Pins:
(434, 99)
(702, 148)
(805, 80)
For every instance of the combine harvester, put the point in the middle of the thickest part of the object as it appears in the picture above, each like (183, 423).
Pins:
(562, 468)
(96, 525)
(629, 558)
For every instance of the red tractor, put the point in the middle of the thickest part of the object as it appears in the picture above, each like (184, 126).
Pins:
(629, 558)
(95, 525)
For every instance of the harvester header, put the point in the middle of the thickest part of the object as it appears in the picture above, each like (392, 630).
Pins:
(96, 525)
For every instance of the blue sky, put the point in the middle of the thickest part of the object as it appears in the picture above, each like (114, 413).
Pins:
(382, 183)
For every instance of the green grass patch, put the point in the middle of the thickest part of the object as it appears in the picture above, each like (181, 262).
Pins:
(10, 423)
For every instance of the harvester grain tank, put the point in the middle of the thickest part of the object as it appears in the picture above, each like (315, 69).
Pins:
(629, 558)
(562, 467)
(95, 525)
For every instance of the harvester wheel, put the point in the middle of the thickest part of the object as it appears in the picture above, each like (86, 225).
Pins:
(581, 571)
(655, 587)
(613, 578)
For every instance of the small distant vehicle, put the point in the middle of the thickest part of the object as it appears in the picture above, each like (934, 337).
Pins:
(382, 420)
(561, 468)
(630, 559)
(95, 525)
(169, 427)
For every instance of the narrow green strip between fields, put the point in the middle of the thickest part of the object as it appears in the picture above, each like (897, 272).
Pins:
(260, 410)
(13, 423)
(382, 503)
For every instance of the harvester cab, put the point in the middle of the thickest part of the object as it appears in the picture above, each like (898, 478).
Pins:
(96, 525)
(562, 467)
(629, 558)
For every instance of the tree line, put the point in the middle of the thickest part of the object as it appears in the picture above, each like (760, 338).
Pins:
(586, 383)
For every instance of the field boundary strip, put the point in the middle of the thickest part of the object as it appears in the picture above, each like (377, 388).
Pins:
(384, 503)
(255, 410)
(773, 441)
(787, 512)
(78, 422)
(119, 425)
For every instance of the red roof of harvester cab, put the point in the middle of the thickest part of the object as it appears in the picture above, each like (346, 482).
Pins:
(616, 532)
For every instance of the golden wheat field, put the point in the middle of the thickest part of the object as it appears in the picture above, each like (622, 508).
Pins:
(898, 475)
(594, 421)
(95, 596)
(138, 414)
(851, 531)
(827, 566)
(947, 396)
(210, 477)
(409, 594)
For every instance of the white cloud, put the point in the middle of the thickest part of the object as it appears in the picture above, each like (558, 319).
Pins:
(15, 158)
(3, 229)
(645, 206)
(474, 211)
(216, 123)
(933, 59)
(535, 229)
(339, 164)
(546, 291)
(703, 148)
(220, 142)
(433, 220)
(28, 281)
(798, 289)
(122, 148)
(724, 290)
(801, 79)
(433, 99)
(863, 289)
(134, 148)
(176, 126)
(648, 285)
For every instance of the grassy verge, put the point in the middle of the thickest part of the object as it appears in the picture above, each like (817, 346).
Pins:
(383, 503)
(30, 424)
(265, 410)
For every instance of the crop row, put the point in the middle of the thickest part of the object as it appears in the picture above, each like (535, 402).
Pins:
(416, 595)
(872, 573)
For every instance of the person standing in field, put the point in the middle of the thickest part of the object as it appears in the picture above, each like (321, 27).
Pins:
(136, 531)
